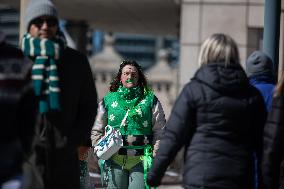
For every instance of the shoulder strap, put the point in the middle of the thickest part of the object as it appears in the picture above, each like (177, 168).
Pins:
(155, 100)
(124, 119)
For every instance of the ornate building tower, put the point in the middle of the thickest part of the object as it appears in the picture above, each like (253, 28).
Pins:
(162, 78)
(104, 66)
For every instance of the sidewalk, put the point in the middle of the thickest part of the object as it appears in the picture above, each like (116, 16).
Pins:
(170, 187)
(160, 187)
(171, 180)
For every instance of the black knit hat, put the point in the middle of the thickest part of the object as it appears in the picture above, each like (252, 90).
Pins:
(258, 63)
(37, 8)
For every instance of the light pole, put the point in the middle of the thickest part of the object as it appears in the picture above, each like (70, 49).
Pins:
(272, 31)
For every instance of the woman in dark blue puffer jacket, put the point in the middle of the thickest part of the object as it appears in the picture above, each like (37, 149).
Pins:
(219, 119)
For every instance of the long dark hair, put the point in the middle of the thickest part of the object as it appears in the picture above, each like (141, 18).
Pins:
(142, 81)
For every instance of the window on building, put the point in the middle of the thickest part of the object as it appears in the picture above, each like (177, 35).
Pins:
(255, 40)
(9, 24)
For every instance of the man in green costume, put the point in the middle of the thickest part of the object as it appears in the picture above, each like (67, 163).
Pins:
(141, 133)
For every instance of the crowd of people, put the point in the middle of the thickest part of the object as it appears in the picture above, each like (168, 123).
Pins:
(228, 119)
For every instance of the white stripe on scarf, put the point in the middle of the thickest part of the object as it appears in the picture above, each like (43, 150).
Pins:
(42, 47)
(51, 78)
(52, 67)
(39, 66)
(37, 77)
(54, 89)
(56, 47)
(32, 48)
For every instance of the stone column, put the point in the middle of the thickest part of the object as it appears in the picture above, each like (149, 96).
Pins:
(199, 20)
(190, 39)
(23, 7)
(78, 32)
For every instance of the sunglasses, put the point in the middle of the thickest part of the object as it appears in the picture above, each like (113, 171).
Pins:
(49, 21)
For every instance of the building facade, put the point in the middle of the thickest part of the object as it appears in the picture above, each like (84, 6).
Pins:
(9, 24)
(241, 19)
(161, 76)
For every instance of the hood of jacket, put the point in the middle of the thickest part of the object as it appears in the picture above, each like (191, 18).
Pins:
(258, 63)
(223, 78)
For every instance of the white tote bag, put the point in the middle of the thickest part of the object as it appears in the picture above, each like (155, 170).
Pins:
(111, 142)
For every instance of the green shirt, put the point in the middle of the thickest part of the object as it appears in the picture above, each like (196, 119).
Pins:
(139, 103)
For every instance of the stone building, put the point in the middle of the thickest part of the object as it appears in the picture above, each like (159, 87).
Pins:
(241, 19)
(162, 78)
(104, 66)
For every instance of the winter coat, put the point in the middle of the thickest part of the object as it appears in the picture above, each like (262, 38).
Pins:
(78, 99)
(158, 123)
(273, 149)
(265, 85)
(60, 133)
(17, 110)
(219, 119)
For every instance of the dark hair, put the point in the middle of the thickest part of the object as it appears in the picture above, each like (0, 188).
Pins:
(142, 82)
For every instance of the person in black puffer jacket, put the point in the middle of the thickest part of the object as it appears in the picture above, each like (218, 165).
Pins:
(18, 113)
(219, 118)
(273, 149)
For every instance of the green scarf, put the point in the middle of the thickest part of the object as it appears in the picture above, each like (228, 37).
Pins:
(138, 102)
(133, 99)
(46, 54)
(129, 98)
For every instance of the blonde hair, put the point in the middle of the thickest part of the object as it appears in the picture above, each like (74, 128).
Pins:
(279, 87)
(219, 48)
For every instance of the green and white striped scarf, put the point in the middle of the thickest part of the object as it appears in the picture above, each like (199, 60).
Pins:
(46, 54)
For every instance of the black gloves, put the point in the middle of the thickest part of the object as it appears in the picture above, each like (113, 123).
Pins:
(152, 180)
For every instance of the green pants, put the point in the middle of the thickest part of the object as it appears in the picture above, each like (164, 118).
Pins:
(119, 178)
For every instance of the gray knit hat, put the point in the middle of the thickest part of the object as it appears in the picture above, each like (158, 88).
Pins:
(37, 8)
(258, 63)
